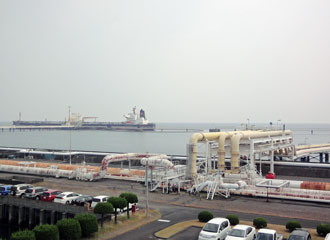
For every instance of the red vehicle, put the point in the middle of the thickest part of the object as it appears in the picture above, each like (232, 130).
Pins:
(49, 195)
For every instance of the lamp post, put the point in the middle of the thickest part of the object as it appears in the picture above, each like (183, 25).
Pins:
(147, 189)
(69, 123)
(278, 120)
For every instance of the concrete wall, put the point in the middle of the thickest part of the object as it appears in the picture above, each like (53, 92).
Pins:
(27, 212)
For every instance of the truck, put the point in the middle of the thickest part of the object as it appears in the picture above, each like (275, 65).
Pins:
(268, 234)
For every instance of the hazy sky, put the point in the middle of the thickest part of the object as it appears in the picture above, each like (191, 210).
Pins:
(180, 60)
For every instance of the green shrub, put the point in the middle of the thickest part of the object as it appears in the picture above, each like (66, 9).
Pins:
(69, 229)
(323, 229)
(205, 216)
(130, 198)
(259, 223)
(117, 202)
(103, 208)
(292, 225)
(23, 235)
(88, 223)
(233, 219)
(46, 231)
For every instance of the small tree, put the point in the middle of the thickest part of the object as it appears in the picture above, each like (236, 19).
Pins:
(23, 235)
(233, 219)
(103, 208)
(46, 231)
(205, 216)
(259, 223)
(323, 229)
(69, 229)
(292, 225)
(130, 198)
(117, 202)
(88, 223)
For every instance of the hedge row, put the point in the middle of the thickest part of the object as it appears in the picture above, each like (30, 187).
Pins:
(83, 225)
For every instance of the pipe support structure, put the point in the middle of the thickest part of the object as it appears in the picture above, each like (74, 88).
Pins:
(235, 140)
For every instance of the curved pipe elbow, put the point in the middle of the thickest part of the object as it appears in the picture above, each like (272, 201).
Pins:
(196, 137)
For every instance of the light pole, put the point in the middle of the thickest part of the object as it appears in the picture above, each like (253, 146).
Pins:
(278, 120)
(69, 122)
(248, 123)
(147, 191)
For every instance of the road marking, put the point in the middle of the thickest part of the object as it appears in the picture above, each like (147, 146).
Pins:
(163, 220)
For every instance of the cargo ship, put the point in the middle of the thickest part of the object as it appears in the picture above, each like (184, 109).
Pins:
(134, 122)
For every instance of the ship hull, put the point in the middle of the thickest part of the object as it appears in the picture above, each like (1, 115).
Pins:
(114, 126)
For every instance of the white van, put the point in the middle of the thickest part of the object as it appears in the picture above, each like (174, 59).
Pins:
(215, 229)
(98, 199)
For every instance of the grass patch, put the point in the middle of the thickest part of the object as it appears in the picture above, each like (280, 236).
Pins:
(110, 229)
(178, 227)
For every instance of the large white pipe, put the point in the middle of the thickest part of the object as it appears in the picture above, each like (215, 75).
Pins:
(122, 157)
(235, 142)
(214, 136)
(157, 161)
(312, 146)
(38, 171)
(312, 150)
(221, 151)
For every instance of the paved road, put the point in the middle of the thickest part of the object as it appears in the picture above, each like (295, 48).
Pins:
(190, 233)
(177, 214)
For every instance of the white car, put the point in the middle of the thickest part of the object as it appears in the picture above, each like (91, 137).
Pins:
(98, 199)
(242, 232)
(66, 197)
(215, 229)
(327, 237)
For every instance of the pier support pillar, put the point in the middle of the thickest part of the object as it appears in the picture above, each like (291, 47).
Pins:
(63, 215)
(326, 156)
(41, 216)
(10, 214)
(52, 217)
(307, 158)
(151, 178)
(1, 212)
(31, 216)
(20, 216)
(272, 161)
(321, 157)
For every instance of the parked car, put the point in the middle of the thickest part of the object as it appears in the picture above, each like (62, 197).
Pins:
(48, 196)
(300, 234)
(19, 189)
(216, 228)
(268, 234)
(327, 237)
(66, 197)
(242, 232)
(34, 193)
(82, 200)
(99, 199)
(5, 189)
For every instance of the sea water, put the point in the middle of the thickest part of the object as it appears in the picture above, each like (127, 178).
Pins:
(169, 138)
